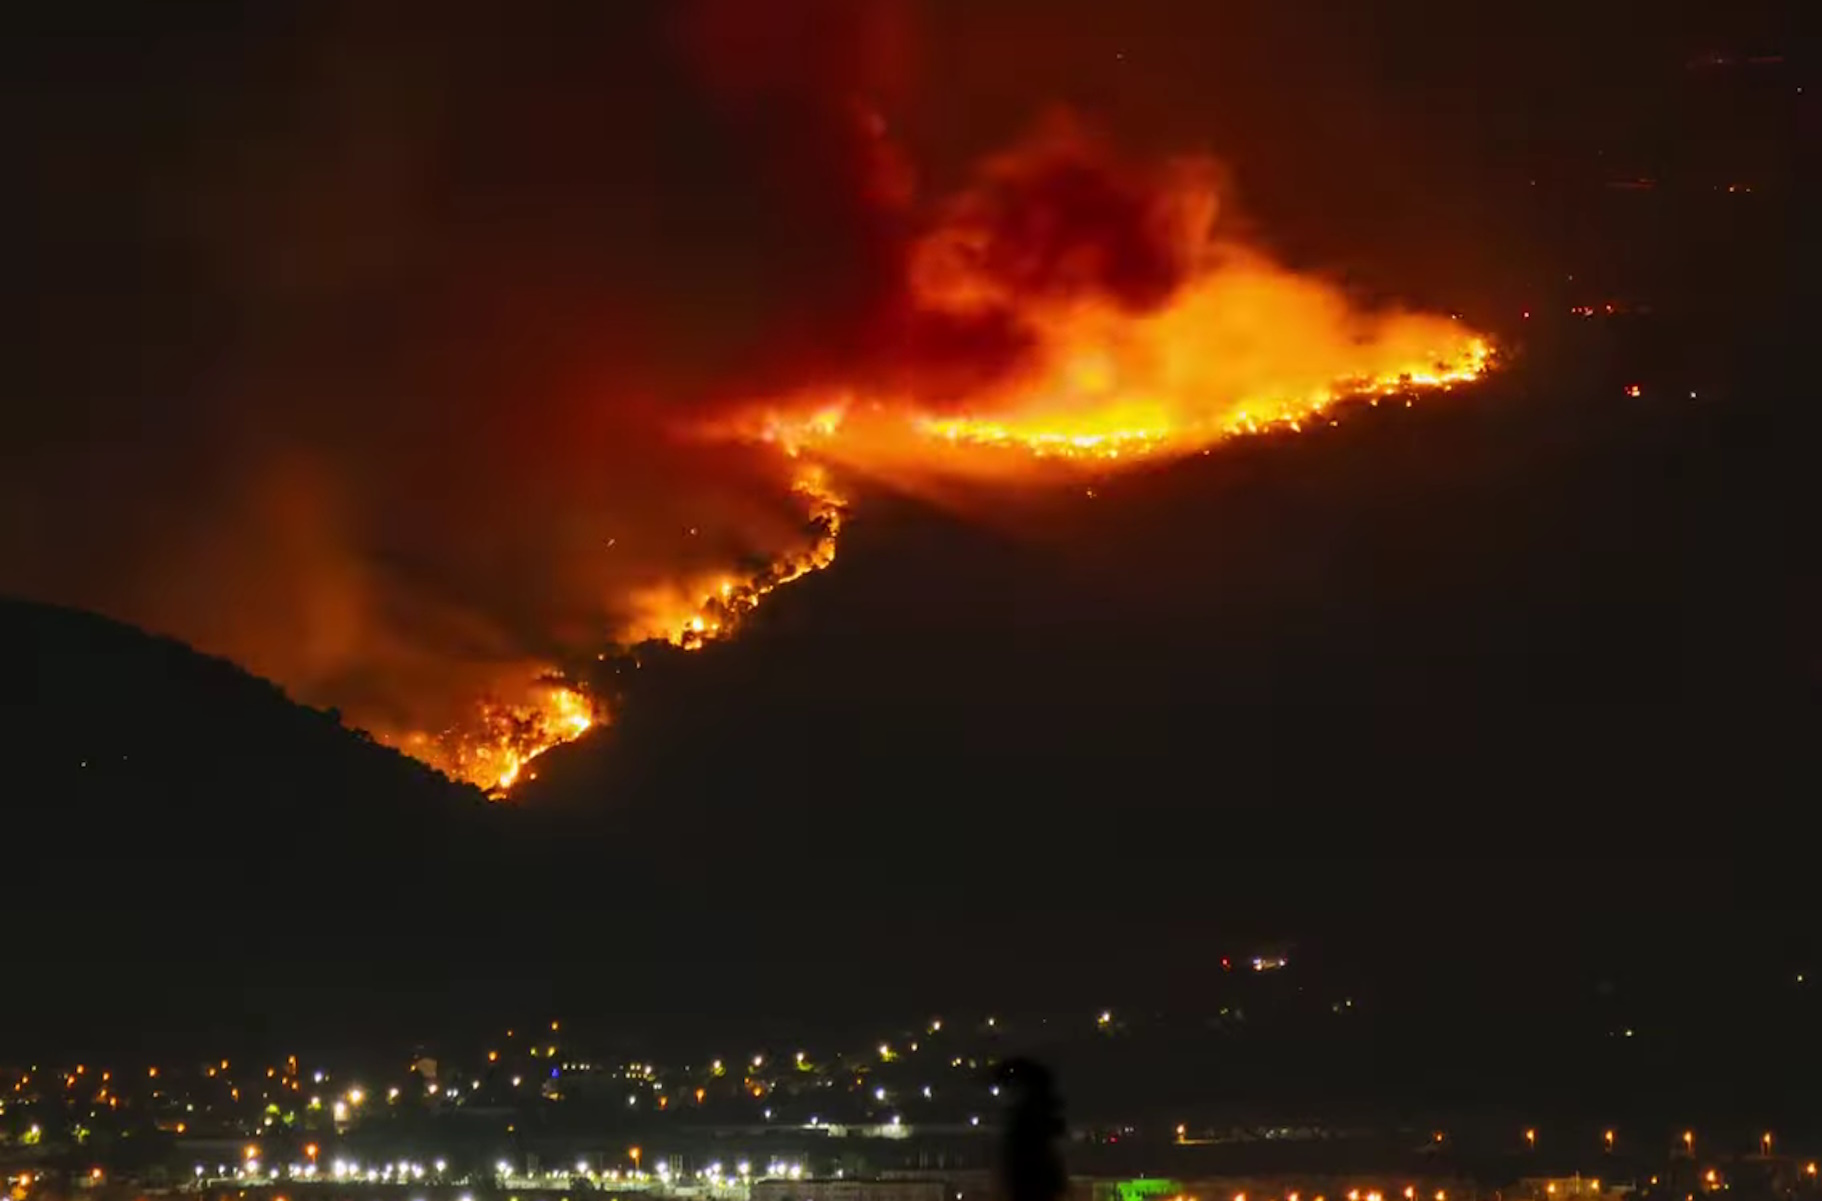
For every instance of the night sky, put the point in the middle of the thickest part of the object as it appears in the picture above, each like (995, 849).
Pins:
(346, 337)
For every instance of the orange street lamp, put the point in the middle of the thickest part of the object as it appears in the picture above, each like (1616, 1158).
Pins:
(1531, 1139)
(1608, 1139)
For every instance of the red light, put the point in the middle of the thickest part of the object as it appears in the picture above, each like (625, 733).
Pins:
(1225, 965)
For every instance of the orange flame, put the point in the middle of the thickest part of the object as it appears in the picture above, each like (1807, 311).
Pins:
(493, 753)
(1104, 320)
(1101, 324)
(702, 612)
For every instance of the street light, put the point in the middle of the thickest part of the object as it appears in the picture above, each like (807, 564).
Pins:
(1689, 1142)
(1531, 1139)
(1608, 1138)
(1765, 1140)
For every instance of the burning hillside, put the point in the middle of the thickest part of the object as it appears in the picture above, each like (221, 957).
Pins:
(1066, 308)
(435, 371)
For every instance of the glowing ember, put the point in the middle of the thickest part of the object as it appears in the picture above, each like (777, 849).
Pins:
(1118, 326)
(493, 753)
(691, 618)
(1094, 436)
(1103, 323)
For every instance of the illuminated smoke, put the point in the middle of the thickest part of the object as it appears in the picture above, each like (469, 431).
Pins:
(423, 405)
(1069, 306)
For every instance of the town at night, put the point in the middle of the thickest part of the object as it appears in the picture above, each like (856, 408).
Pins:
(910, 600)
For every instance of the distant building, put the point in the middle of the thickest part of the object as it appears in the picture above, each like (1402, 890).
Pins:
(850, 1190)
(1569, 1188)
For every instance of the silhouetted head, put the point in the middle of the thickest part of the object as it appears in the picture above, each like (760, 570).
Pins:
(1026, 1074)
(1031, 1168)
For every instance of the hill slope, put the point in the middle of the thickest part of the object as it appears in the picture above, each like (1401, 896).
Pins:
(173, 823)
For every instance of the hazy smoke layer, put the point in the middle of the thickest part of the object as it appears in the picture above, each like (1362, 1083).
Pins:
(373, 348)
(353, 340)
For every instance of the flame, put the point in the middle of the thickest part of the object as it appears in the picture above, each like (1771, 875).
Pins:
(1101, 323)
(710, 610)
(492, 752)
(1109, 320)
(1128, 426)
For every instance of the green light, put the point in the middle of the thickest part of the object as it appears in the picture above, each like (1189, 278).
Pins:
(1147, 1187)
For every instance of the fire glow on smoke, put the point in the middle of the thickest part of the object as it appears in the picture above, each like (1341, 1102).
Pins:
(1065, 309)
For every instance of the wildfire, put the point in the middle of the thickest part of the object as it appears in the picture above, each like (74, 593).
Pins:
(492, 753)
(1066, 310)
(1115, 435)
(1109, 321)
(1124, 428)
(695, 616)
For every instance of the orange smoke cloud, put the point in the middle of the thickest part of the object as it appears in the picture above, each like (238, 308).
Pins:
(368, 363)
(1071, 306)
(406, 409)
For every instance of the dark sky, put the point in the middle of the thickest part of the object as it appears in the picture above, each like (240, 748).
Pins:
(345, 336)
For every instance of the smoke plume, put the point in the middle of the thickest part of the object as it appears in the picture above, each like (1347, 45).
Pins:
(377, 350)
(358, 341)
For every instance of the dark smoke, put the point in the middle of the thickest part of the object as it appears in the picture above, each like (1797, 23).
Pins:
(352, 340)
